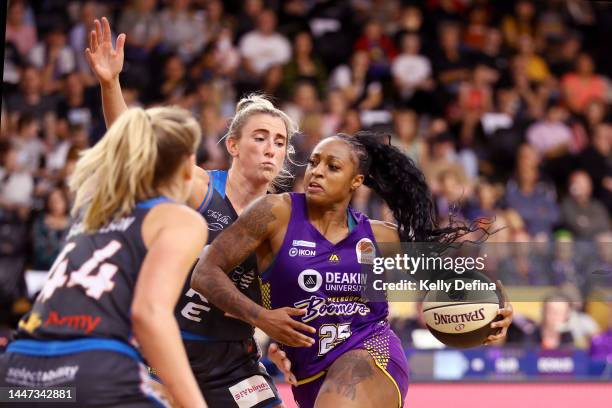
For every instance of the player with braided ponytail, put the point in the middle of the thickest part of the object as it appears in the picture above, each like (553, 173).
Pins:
(306, 244)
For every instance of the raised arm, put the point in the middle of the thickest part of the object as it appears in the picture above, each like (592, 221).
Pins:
(106, 62)
(250, 233)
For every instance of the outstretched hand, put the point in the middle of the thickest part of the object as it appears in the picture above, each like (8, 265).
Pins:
(105, 61)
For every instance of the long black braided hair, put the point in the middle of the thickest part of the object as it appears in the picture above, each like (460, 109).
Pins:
(399, 182)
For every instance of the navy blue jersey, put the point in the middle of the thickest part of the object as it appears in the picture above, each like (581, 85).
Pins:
(198, 319)
(90, 287)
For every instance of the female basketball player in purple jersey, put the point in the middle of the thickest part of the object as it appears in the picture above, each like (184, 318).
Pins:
(222, 352)
(308, 246)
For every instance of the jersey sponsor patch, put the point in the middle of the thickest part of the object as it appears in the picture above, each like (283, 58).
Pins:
(301, 252)
(310, 280)
(48, 378)
(365, 251)
(252, 391)
(305, 244)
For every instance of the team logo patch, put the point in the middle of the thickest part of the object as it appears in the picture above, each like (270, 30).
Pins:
(333, 258)
(365, 250)
(252, 391)
(32, 323)
(310, 280)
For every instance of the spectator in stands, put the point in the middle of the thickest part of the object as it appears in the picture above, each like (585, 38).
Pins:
(54, 58)
(351, 122)
(583, 215)
(475, 98)
(442, 155)
(336, 108)
(534, 199)
(304, 101)
(568, 55)
(412, 74)
(594, 159)
(535, 66)
(476, 32)
(492, 54)
(599, 269)
(564, 265)
(485, 202)
(183, 30)
(18, 30)
(452, 197)
(30, 99)
(582, 326)
(407, 139)
(379, 47)
(216, 21)
(360, 89)
(451, 62)
(551, 137)
(28, 145)
(212, 153)
(49, 230)
(263, 49)
(584, 85)
(601, 345)
(16, 185)
(553, 333)
(75, 107)
(246, 20)
(522, 22)
(78, 38)
(174, 82)
(304, 66)
(141, 22)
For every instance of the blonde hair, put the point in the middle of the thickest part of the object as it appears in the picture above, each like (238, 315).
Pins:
(255, 104)
(141, 150)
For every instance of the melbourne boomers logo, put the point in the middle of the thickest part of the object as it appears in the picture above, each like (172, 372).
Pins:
(310, 280)
(317, 306)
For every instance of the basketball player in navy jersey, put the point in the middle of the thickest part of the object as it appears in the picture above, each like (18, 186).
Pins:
(112, 290)
(303, 241)
(221, 350)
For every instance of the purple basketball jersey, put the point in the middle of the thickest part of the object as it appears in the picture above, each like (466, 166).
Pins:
(327, 280)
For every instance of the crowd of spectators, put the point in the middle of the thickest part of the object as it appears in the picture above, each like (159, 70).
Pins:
(504, 106)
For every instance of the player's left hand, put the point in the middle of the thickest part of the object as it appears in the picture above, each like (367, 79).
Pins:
(502, 325)
(280, 360)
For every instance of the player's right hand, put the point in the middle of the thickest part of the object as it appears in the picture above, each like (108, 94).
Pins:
(105, 61)
(279, 325)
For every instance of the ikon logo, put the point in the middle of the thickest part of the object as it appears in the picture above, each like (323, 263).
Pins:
(302, 252)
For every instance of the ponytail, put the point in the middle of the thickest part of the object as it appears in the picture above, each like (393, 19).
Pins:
(140, 150)
(398, 181)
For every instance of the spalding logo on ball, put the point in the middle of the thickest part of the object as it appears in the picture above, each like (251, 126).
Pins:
(466, 322)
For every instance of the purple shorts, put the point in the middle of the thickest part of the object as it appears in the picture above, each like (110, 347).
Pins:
(386, 350)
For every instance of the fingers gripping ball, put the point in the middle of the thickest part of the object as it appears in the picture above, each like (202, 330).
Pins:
(459, 312)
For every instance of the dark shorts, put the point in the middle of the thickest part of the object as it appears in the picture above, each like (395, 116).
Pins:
(386, 350)
(101, 378)
(231, 375)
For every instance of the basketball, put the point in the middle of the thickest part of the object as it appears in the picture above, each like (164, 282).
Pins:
(459, 311)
